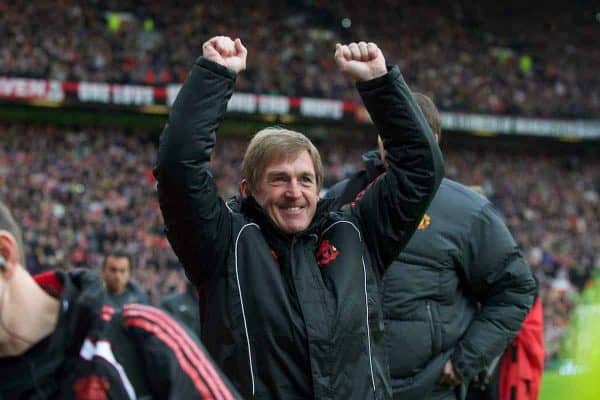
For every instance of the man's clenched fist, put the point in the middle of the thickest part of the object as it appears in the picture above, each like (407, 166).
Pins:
(229, 53)
(360, 61)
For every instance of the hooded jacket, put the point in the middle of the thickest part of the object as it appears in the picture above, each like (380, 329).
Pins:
(98, 352)
(293, 316)
(459, 290)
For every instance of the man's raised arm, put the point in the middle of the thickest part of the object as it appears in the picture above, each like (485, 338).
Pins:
(196, 218)
(391, 209)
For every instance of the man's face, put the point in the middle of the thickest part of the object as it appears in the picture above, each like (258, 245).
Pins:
(287, 190)
(115, 273)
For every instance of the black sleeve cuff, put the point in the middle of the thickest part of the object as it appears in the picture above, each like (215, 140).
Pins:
(392, 74)
(216, 68)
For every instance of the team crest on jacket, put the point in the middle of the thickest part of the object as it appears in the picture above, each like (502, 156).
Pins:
(91, 387)
(326, 253)
(425, 221)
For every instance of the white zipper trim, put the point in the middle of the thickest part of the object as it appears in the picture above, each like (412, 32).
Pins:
(368, 329)
(237, 277)
(343, 222)
(366, 296)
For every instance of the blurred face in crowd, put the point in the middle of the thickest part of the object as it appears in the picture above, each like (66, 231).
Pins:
(115, 274)
(287, 190)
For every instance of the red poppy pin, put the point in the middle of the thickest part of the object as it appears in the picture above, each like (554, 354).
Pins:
(326, 253)
(91, 387)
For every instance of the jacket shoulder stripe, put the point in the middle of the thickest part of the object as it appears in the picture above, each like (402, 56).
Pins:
(193, 360)
(50, 282)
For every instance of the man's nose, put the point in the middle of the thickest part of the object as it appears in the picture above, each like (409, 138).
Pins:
(293, 189)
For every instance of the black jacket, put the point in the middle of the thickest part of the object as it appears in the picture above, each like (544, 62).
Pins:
(98, 352)
(184, 308)
(280, 324)
(133, 294)
(461, 255)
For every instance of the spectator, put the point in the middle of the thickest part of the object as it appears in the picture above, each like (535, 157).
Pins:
(471, 56)
(116, 275)
(183, 306)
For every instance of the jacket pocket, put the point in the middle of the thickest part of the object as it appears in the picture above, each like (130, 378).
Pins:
(430, 324)
(436, 336)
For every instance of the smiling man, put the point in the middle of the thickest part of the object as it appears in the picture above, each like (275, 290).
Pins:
(289, 291)
(287, 188)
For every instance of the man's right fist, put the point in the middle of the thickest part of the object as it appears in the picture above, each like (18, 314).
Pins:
(360, 61)
(222, 50)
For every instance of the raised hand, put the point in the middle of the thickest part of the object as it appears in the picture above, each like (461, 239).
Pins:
(229, 53)
(360, 61)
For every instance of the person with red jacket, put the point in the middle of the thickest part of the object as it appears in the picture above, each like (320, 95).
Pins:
(517, 375)
(523, 362)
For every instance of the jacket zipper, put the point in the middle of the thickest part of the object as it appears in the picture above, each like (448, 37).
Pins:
(431, 327)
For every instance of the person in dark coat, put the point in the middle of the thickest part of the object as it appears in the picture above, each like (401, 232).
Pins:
(60, 339)
(458, 292)
(289, 290)
(183, 306)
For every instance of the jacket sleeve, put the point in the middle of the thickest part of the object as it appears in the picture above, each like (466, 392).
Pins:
(176, 365)
(196, 219)
(500, 279)
(392, 207)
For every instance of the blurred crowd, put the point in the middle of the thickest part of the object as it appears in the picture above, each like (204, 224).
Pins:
(80, 193)
(484, 57)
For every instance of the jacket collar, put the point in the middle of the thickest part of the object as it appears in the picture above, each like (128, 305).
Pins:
(252, 210)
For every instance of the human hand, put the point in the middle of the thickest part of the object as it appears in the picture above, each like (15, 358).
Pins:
(226, 52)
(449, 375)
(360, 61)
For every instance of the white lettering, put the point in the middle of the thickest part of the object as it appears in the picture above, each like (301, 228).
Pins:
(321, 108)
(273, 104)
(93, 92)
(133, 95)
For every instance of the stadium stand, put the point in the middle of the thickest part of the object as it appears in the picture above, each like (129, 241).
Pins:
(485, 57)
(80, 192)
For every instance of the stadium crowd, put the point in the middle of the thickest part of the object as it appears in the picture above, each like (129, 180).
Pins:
(484, 57)
(81, 193)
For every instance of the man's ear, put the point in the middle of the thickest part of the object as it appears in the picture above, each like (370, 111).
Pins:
(245, 188)
(9, 252)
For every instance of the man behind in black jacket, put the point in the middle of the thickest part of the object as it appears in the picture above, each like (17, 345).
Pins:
(59, 339)
(289, 291)
(462, 254)
(183, 306)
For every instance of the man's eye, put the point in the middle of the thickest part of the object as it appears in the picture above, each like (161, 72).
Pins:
(278, 179)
